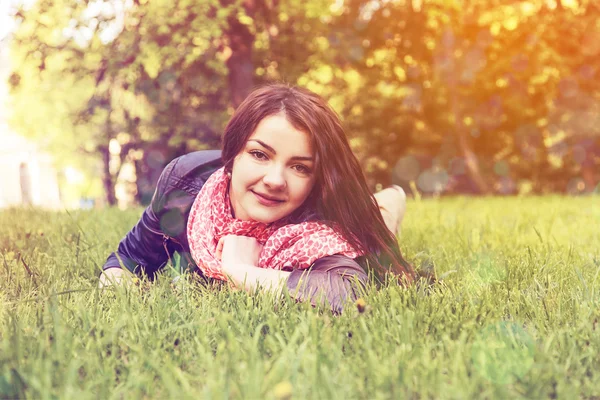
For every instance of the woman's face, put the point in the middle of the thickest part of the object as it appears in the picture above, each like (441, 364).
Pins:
(274, 173)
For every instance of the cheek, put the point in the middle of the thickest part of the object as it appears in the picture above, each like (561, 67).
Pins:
(241, 172)
(302, 190)
(237, 161)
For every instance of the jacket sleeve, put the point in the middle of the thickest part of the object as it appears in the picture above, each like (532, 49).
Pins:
(143, 249)
(331, 281)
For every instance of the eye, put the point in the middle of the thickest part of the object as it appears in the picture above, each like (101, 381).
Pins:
(303, 169)
(259, 155)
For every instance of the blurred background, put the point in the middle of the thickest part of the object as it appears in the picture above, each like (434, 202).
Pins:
(443, 97)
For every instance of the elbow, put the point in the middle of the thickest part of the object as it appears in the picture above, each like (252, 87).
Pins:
(327, 291)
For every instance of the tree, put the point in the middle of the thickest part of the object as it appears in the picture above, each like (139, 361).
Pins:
(446, 83)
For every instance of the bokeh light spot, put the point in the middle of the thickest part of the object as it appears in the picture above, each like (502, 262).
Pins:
(501, 168)
(590, 45)
(172, 222)
(484, 266)
(568, 87)
(407, 169)
(432, 181)
(576, 186)
(503, 352)
(356, 52)
(506, 185)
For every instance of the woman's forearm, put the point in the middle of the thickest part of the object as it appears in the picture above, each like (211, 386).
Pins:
(250, 277)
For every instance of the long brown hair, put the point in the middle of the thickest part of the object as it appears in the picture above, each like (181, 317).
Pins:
(340, 196)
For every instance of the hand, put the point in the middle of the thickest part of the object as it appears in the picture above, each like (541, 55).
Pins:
(111, 276)
(239, 259)
(233, 249)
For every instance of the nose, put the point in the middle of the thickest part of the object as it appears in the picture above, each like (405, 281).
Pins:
(274, 178)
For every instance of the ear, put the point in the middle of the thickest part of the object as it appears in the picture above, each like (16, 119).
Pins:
(228, 167)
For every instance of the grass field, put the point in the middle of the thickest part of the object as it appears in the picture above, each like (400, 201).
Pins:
(515, 315)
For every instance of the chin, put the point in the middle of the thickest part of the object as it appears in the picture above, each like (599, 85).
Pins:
(267, 215)
(265, 219)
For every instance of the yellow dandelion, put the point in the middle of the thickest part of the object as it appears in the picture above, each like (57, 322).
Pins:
(283, 390)
(361, 305)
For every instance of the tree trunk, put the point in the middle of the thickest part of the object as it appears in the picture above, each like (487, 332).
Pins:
(459, 129)
(471, 160)
(147, 172)
(107, 180)
(140, 182)
(465, 148)
(239, 64)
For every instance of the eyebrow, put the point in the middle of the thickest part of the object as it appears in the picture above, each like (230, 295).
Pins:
(272, 150)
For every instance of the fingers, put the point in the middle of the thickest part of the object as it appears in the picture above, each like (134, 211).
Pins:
(219, 250)
(112, 276)
(234, 249)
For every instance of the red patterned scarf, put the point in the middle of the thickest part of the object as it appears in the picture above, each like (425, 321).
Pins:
(285, 246)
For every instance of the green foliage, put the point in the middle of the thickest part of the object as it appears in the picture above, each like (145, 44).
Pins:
(514, 316)
(487, 84)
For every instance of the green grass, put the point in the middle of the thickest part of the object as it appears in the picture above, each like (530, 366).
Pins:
(516, 315)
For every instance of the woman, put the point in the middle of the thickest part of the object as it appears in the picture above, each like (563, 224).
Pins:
(284, 204)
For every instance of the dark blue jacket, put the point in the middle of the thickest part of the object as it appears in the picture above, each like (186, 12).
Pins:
(161, 231)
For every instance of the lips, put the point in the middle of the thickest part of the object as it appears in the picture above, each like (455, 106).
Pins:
(267, 200)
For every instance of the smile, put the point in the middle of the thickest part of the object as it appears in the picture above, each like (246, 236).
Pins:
(267, 201)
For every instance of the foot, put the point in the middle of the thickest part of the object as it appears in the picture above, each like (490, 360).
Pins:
(392, 205)
(401, 207)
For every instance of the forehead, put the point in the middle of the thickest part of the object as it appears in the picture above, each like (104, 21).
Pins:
(277, 132)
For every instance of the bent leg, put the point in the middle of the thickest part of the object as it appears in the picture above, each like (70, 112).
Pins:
(392, 205)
